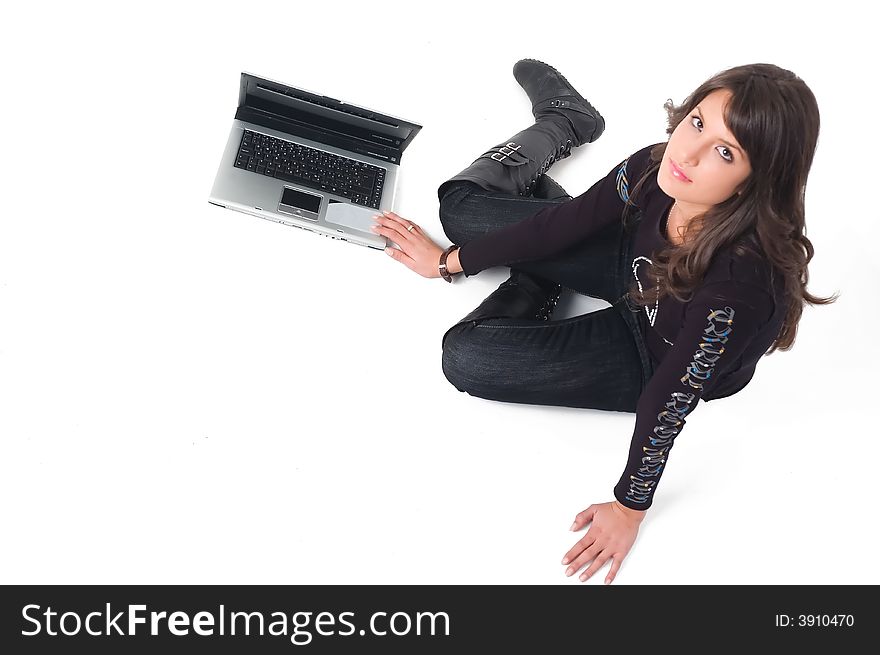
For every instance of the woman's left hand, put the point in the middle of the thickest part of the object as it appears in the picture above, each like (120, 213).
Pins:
(417, 252)
(611, 536)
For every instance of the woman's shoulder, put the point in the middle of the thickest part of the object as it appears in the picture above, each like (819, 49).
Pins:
(629, 171)
(639, 161)
(744, 263)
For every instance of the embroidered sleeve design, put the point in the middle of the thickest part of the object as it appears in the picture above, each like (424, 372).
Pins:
(669, 421)
(622, 182)
(715, 335)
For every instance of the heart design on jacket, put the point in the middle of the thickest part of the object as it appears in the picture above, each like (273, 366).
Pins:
(652, 313)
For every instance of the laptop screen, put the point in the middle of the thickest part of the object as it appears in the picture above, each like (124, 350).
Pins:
(324, 119)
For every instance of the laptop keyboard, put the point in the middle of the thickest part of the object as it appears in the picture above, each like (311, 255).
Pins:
(324, 171)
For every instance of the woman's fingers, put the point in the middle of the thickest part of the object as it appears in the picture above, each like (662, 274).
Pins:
(389, 234)
(388, 231)
(582, 552)
(397, 224)
(615, 564)
(400, 220)
(610, 537)
(583, 518)
(417, 251)
(577, 549)
(597, 564)
(401, 256)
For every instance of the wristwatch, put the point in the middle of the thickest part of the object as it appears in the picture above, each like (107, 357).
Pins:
(446, 253)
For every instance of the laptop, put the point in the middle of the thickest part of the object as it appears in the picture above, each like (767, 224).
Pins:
(311, 161)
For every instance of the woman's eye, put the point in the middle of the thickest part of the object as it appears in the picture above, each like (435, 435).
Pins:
(729, 156)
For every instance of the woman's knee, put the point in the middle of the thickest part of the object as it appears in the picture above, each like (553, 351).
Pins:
(450, 218)
(458, 356)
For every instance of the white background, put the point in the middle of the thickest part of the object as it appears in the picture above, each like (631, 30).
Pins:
(193, 395)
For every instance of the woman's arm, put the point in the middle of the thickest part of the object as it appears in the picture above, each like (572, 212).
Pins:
(719, 324)
(557, 227)
(546, 232)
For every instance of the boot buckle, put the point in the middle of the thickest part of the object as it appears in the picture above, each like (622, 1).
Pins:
(504, 151)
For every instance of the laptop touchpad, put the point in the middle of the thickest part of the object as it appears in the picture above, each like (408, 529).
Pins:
(351, 215)
(299, 203)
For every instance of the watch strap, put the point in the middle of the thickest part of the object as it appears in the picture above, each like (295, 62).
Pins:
(443, 270)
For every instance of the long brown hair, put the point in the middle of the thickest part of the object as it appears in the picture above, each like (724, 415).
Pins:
(775, 118)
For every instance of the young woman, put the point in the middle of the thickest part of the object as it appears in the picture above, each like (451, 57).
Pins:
(697, 243)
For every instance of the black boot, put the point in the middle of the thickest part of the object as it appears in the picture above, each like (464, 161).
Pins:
(514, 166)
(552, 95)
(564, 120)
(548, 189)
(522, 295)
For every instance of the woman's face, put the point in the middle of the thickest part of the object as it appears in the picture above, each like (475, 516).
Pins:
(708, 155)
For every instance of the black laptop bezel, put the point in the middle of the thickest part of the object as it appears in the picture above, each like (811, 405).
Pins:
(324, 119)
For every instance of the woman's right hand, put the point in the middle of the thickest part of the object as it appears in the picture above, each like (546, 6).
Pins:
(417, 252)
(612, 532)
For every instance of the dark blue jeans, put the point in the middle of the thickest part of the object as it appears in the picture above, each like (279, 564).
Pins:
(598, 360)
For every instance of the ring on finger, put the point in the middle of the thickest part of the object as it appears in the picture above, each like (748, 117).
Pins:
(410, 228)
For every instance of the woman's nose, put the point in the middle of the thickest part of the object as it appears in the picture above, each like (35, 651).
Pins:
(688, 161)
(688, 158)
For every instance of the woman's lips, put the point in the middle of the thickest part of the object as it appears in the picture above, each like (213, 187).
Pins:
(677, 172)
